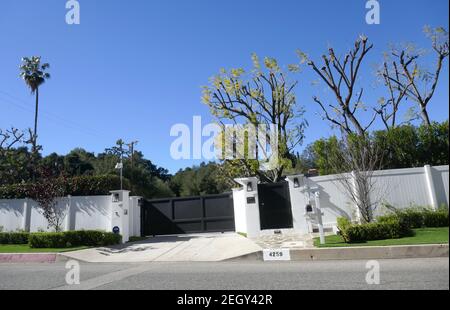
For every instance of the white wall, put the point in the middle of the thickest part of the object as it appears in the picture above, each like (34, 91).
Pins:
(246, 214)
(239, 204)
(333, 200)
(12, 214)
(81, 213)
(440, 178)
(135, 217)
(93, 212)
(401, 188)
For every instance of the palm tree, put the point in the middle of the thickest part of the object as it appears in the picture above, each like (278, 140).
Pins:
(34, 75)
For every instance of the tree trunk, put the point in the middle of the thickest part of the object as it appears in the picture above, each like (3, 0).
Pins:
(34, 138)
(36, 121)
(425, 117)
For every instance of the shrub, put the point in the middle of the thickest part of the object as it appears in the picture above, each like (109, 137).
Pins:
(14, 237)
(388, 229)
(435, 218)
(76, 186)
(69, 239)
(94, 185)
(48, 240)
(343, 224)
(392, 226)
(412, 217)
(419, 218)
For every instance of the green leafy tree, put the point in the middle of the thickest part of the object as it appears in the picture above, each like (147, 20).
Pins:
(204, 179)
(404, 146)
(434, 144)
(262, 96)
(401, 144)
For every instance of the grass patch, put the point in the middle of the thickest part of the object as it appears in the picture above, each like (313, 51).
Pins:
(25, 248)
(421, 236)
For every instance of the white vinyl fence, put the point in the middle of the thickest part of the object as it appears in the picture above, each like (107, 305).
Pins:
(401, 188)
(81, 213)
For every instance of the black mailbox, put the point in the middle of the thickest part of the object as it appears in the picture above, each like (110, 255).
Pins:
(251, 200)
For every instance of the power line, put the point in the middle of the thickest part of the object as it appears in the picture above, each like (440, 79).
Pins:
(51, 116)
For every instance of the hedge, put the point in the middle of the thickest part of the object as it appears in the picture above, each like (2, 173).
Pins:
(69, 239)
(377, 231)
(14, 237)
(419, 218)
(392, 226)
(76, 186)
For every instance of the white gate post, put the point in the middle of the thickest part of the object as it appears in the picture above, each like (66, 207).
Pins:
(432, 197)
(68, 212)
(26, 216)
(319, 217)
(246, 207)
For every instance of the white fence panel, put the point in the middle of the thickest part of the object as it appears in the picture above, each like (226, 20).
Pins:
(11, 214)
(441, 180)
(91, 212)
(400, 188)
(333, 199)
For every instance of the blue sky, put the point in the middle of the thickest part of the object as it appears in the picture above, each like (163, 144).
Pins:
(132, 69)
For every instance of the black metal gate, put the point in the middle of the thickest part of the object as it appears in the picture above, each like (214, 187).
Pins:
(214, 213)
(275, 206)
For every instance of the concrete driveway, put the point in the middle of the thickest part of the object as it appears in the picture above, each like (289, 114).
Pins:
(182, 248)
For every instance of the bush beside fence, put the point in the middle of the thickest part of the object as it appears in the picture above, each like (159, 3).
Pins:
(14, 237)
(419, 218)
(67, 239)
(393, 226)
(73, 239)
(76, 186)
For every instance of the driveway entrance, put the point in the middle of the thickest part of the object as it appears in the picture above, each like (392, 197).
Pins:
(174, 216)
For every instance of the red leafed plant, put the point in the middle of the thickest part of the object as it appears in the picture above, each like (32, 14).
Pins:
(46, 191)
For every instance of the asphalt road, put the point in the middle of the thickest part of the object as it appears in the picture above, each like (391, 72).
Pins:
(394, 274)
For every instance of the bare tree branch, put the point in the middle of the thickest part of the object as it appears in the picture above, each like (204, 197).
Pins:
(341, 77)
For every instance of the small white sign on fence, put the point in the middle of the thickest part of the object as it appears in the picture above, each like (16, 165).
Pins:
(276, 255)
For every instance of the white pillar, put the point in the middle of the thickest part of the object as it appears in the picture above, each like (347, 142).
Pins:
(68, 213)
(246, 207)
(120, 213)
(430, 186)
(26, 216)
(299, 199)
(318, 211)
(135, 216)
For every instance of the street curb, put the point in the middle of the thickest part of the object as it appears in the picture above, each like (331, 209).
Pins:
(359, 253)
(28, 258)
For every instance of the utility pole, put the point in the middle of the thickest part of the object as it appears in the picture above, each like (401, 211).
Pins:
(119, 150)
(131, 146)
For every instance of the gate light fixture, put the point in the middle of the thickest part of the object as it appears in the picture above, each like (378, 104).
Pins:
(296, 183)
(250, 187)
